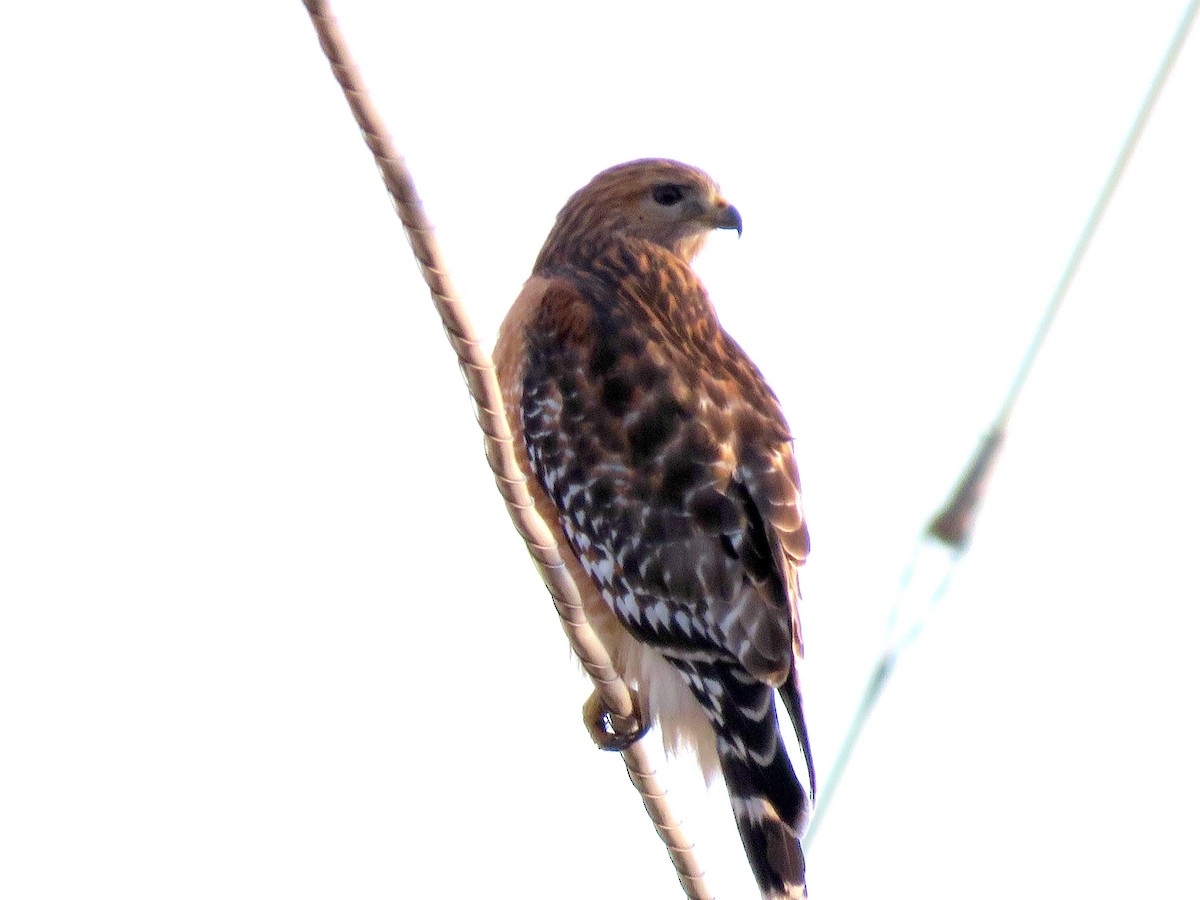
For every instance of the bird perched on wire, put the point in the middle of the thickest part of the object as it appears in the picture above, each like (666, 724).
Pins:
(662, 463)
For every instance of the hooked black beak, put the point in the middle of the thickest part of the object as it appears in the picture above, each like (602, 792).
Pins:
(727, 216)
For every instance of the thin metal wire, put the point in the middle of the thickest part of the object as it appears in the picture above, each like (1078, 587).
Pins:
(1102, 201)
(480, 376)
(947, 536)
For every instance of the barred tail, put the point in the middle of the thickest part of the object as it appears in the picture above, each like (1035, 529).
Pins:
(770, 809)
(770, 805)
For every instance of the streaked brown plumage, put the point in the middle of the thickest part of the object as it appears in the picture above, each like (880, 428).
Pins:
(663, 464)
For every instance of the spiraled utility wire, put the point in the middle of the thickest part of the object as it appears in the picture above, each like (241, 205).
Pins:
(480, 375)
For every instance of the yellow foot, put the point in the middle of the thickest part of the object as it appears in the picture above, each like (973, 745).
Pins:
(599, 721)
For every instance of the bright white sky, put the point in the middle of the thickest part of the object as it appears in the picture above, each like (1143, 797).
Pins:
(264, 628)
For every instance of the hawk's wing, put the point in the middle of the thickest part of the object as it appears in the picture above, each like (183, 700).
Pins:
(671, 467)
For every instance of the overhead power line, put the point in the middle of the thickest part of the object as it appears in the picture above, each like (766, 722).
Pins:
(948, 534)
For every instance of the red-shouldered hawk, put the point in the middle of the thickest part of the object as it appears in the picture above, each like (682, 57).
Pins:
(663, 464)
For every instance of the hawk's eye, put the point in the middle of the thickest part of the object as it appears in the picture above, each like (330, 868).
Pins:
(667, 194)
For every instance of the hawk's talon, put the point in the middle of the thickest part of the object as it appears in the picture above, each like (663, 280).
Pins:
(598, 720)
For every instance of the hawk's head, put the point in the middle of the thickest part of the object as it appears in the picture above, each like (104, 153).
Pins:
(658, 200)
